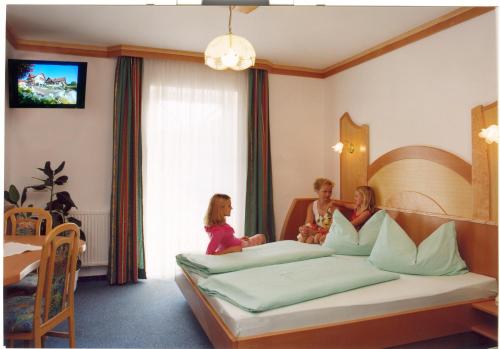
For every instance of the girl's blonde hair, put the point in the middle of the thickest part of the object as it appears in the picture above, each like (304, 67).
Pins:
(319, 182)
(368, 198)
(215, 212)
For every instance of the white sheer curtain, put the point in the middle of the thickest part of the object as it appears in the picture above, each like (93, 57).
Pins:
(194, 144)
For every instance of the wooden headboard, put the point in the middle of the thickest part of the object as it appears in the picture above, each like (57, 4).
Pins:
(422, 188)
(423, 179)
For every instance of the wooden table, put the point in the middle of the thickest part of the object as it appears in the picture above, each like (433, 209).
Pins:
(17, 266)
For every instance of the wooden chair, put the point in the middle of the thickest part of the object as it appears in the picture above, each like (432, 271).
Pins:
(33, 317)
(26, 221)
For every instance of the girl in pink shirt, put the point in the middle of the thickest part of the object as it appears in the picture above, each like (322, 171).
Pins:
(222, 239)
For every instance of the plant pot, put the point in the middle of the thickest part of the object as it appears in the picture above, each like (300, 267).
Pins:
(76, 279)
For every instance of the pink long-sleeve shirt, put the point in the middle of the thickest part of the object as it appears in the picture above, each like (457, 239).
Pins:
(221, 237)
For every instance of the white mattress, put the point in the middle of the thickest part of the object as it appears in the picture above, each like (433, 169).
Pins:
(409, 292)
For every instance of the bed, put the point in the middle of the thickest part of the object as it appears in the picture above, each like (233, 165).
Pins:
(379, 317)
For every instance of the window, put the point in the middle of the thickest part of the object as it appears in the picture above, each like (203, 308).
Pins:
(194, 143)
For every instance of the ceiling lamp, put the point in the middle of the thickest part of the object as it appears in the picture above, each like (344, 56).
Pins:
(230, 51)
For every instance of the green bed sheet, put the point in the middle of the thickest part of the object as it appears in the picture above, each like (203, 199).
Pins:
(274, 286)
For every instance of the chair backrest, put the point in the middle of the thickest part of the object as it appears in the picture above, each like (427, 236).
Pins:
(26, 221)
(56, 275)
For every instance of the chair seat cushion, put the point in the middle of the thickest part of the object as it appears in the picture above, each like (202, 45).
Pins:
(25, 287)
(18, 314)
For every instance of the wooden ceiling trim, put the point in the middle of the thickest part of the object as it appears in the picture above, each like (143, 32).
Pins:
(453, 18)
(155, 53)
(441, 23)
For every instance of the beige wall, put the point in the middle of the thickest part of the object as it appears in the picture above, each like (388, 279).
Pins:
(81, 137)
(421, 94)
(297, 139)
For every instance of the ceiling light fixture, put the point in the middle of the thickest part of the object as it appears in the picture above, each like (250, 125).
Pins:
(230, 51)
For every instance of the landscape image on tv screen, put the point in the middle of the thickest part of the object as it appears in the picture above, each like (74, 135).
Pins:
(48, 84)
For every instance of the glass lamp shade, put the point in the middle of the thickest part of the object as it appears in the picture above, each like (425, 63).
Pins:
(230, 51)
(338, 147)
(490, 134)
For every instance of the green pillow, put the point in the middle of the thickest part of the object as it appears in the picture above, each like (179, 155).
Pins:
(436, 255)
(344, 239)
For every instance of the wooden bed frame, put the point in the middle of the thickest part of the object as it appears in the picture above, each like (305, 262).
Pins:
(478, 244)
(477, 241)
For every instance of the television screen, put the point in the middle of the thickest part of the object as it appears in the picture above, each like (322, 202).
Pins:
(46, 84)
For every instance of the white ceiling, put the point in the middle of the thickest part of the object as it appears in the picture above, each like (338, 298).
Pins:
(305, 36)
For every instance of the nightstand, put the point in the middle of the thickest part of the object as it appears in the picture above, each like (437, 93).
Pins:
(489, 324)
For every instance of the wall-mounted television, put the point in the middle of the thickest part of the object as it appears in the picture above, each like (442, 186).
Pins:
(46, 84)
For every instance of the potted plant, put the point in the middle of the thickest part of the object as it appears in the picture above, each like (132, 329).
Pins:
(59, 204)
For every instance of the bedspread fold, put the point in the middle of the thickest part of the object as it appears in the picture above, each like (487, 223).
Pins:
(279, 252)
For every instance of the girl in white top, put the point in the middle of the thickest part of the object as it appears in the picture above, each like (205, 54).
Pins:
(319, 214)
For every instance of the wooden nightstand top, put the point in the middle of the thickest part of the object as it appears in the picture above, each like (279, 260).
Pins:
(488, 307)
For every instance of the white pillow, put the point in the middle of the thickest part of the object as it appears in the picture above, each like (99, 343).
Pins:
(437, 255)
(344, 239)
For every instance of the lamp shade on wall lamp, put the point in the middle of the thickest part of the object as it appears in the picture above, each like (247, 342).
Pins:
(350, 147)
(338, 147)
(490, 134)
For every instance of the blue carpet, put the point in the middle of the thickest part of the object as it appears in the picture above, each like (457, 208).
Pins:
(150, 314)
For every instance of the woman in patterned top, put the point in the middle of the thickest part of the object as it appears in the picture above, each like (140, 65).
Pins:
(319, 214)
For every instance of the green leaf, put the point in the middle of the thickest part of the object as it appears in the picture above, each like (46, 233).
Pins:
(7, 198)
(47, 170)
(13, 193)
(61, 180)
(74, 220)
(65, 198)
(59, 168)
(24, 195)
(57, 219)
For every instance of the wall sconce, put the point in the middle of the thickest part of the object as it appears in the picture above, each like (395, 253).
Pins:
(490, 134)
(340, 146)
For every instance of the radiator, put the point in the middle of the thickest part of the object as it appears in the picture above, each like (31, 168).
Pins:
(95, 224)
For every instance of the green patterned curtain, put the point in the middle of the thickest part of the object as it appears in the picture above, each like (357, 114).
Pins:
(126, 250)
(259, 212)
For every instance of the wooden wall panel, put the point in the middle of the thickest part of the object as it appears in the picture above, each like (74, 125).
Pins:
(354, 157)
(484, 165)
(491, 117)
(424, 186)
(422, 179)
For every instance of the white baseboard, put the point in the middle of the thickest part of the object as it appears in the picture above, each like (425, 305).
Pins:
(93, 271)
